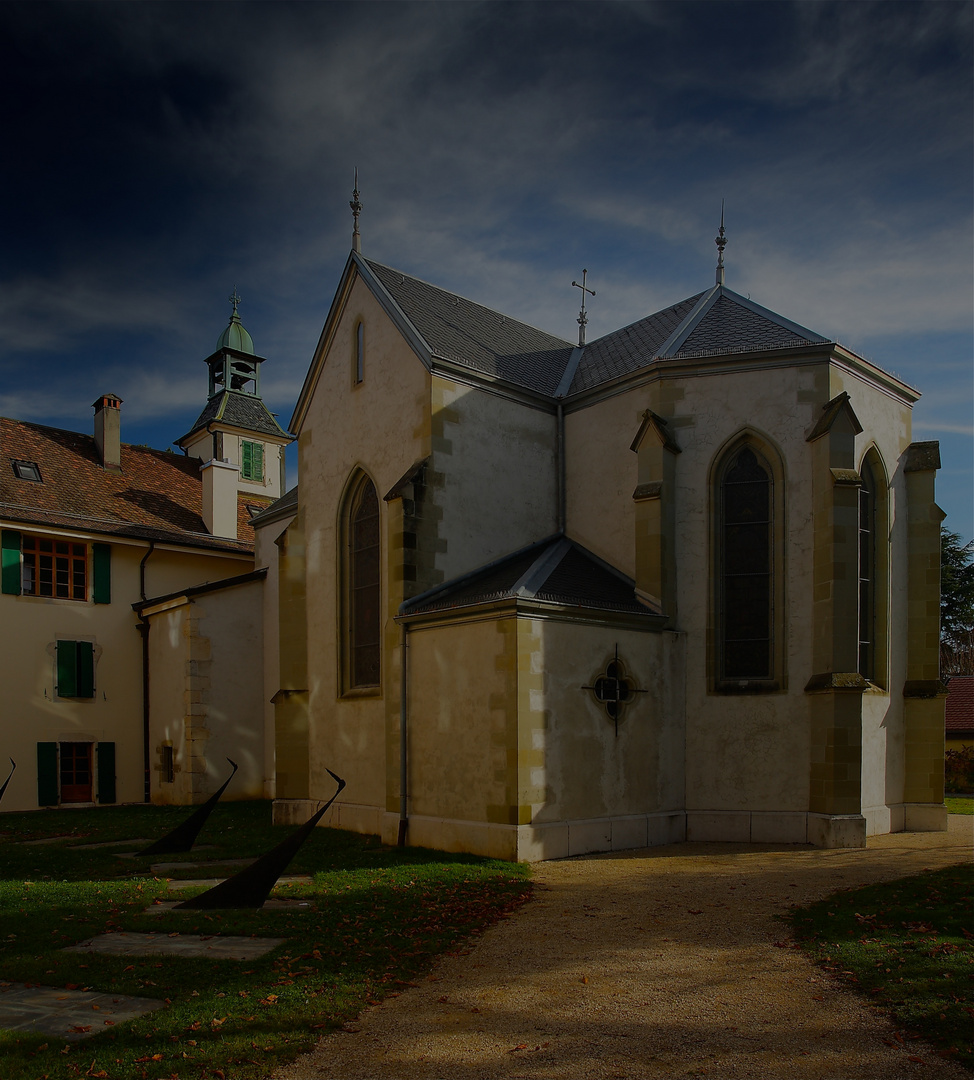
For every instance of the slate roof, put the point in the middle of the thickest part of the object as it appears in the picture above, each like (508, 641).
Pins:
(627, 350)
(156, 495)
(237, 410)
(959, 710)
(553, 571)
(731, 325)
(475, 336)
(711, 323)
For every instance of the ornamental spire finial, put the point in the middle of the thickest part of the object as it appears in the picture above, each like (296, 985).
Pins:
(721, 242)
(582, 317)
(234, 299)
(356, 206)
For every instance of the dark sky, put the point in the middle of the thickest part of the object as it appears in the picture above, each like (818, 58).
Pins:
(157, 155)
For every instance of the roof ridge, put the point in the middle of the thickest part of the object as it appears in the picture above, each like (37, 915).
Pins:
(466, 299)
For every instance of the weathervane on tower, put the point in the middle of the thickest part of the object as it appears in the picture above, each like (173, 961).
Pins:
(356, 206)
(582, 318)
(721, 242)
(234, 299)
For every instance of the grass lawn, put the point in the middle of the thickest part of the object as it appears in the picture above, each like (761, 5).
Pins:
(908, 946)
(959, 804)
(378, 918)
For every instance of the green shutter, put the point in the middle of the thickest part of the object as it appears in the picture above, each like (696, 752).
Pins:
(101, 566)
(105, 755)
(10, 544)
(86, 669)
(75, 669)
(67, 669)
(47, 774)
(251, 460)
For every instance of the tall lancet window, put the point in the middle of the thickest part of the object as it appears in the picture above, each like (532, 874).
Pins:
(745, 587)
(868, 493)
(363, 621)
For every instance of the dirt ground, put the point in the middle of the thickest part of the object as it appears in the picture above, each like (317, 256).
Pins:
(663, 962)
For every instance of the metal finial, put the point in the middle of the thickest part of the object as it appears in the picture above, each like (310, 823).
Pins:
(721, 242)
(356, 206)
(234, 299)
(582, 319)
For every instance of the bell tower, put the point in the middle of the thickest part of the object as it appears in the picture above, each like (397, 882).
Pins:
(239, 443)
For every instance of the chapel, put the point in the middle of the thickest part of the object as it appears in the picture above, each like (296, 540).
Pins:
(536, 597)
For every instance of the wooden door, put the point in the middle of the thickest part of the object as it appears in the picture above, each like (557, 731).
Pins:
(76, 772)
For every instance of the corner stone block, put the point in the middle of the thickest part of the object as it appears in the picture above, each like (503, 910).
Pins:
(837, 830)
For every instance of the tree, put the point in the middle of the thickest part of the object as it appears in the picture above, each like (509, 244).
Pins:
(956, 604)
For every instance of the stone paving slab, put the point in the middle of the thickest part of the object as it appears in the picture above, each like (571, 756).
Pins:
(213, 947)
(67, 1014)
(208, 883)
(268, 905)
(161, 868)
(110, 843)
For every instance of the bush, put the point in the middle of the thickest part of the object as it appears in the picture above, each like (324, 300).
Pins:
(959, 769)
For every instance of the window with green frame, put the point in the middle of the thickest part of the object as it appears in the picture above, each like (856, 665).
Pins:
(251, 460)
(56, 567)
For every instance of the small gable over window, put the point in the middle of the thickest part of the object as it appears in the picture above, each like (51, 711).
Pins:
(27, 470)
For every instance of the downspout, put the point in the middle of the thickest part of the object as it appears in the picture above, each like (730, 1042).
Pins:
(403, 713)
(560, 493)
(144, 631)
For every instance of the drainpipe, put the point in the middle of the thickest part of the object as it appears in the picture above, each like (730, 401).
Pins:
(403, 711)
(144, 631)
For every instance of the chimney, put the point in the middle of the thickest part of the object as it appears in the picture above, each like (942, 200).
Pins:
(220, 498)
(108, 430)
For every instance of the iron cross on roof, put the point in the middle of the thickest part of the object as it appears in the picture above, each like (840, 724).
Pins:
(582, 319)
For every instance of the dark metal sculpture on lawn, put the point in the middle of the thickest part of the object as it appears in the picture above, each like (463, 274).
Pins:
(184, 836)
(13, 766)
(251, 887)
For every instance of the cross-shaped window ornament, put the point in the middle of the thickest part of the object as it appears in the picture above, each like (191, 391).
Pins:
(614, 688)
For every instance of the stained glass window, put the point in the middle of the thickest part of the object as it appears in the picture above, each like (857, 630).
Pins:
(867, 573)
(363, 587)
(746, 568)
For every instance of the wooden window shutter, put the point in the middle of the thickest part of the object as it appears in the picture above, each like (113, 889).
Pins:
(10, 544)
(105, 755)
(258, 466)
(101, 566)
(67, 669)
(75, 669)
(246, 459)
(47, 794)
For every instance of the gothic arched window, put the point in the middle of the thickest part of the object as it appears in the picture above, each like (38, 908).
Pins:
(362, 630)
(873, 569)
(745, 567)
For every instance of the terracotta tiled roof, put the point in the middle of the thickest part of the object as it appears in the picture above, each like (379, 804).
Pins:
(959, 712)
(156, 495)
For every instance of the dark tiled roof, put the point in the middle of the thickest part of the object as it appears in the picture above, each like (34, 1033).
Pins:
(959, 711)
(475, 336)
(237, 410)
(156, 495)
(286, 504)
(730, 326)
(630, 348)
(554, 571)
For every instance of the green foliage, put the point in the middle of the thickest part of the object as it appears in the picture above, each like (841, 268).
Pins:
(906, 944)
(959, 769)
(375, 919)
(956, 604)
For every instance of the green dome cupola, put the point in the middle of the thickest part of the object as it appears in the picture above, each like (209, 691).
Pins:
(236, 336)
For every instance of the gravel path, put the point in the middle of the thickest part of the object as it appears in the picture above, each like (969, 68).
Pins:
(654, 963)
